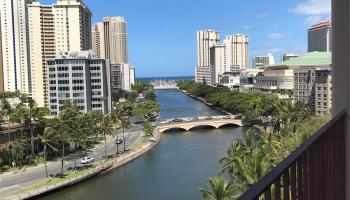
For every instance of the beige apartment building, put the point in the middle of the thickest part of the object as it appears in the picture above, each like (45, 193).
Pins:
(205, 40)
(72, 26)
(110, 39)
(14, 38)
(42, 47)
(1, 67)
(237, 50)
(218, 61)
(62, 27)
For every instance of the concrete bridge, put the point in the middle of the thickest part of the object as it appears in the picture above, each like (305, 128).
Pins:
(188, 124)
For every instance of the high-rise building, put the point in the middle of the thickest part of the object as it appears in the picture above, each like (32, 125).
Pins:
(237, 50)
(320, 37)
(64, 26)
(110, 39)
(323, 91)
(15, 44)
(205, 40)
(218, 61)
(314, 88)
(72, 26)
(42, 48)
(79, 77)
(288, 56)
(260, 62)
(1, 67)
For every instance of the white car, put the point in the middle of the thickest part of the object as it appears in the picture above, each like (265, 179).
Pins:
(86, 160)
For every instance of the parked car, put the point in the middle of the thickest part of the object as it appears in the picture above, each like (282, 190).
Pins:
(119, 141)
(86, 160)
(195, 119)
(238, 117)
(177, 120)
(227, 117)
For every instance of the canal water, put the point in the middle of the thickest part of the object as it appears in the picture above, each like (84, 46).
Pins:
(173, 170)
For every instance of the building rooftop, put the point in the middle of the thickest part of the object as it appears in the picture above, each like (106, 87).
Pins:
(308, 59)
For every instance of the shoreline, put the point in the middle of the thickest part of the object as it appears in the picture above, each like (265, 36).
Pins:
(105, 168)
(204, 101)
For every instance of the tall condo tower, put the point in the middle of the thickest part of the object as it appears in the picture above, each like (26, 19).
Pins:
(14, 40)
(42, 48)
(72, 26)
(53, 29)
(205, 40)
(320, 37)
(110, 39)
(237, 50)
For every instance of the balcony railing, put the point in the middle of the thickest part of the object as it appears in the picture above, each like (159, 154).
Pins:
(316, 170)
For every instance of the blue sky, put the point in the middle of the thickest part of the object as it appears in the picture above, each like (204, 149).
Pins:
(162, 33)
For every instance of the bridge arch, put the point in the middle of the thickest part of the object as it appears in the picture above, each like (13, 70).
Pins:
(229, 125)
(202, 126)
(172, 129)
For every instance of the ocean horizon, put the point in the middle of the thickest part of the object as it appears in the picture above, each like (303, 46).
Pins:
(169, 78)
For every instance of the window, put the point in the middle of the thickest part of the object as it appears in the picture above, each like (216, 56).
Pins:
(76, 68)
(78, 81)
(62, 68)
(63, 75)
(95, 80)
(78, 88)
(63, 82)
(96, 87)
(77, 75)
(63, 88)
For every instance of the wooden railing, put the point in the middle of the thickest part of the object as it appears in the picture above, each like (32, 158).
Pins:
(316, 170)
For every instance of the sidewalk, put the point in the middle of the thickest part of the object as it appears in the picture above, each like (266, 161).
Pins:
(30, 169)
(110, 165)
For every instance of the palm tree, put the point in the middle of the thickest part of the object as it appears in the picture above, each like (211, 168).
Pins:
(105, 127)
(125, 124)
(45, 139)
(35, 119)
(218, 189)
(80, 131)
(6, 110)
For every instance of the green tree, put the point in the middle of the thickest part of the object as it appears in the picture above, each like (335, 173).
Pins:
(45, 139)
(148, 129)
(147, 108)
(124, 124)
(104, 127)
(218, 189)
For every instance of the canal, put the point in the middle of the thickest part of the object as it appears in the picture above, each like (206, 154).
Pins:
(173, 170)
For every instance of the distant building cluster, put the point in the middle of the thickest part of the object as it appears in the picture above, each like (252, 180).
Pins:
(304, 77)
(37, 38)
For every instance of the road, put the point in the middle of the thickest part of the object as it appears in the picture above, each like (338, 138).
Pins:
(37, 174)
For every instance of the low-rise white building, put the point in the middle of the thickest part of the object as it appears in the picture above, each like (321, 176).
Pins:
(79, 77)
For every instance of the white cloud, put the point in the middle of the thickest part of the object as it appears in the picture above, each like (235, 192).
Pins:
(248, 27)
(277, 36)
(262, 15)
(315, 10)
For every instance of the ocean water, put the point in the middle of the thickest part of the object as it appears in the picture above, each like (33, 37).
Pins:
(174, 78)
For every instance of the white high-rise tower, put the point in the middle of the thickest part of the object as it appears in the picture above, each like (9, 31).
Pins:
(14, 37)
(204, 70)
(237, 50)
